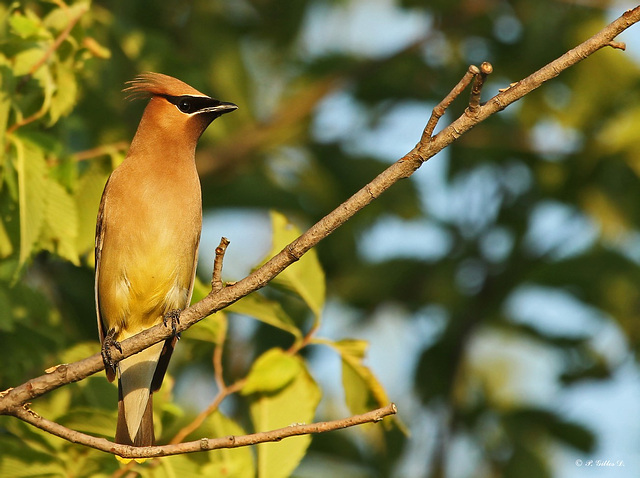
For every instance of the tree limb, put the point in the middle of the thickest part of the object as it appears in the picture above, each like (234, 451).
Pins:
(204, 444)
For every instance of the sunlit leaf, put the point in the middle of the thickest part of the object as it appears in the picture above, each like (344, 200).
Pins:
(19, 461)
(305, 277)
(227, 462)
(79, 351)
(91, 421)
(6, 86)
(355, 348)
(24, 26)
(296, 403)
(59, 18)
(32, 187)
(87, 197)
(60, 228)
(24, 61)
(95, 48)
(212, 329)
(265, 310)
(64, 96)
(173, 467)
(6, 247)
(272, 371)
(363, 391)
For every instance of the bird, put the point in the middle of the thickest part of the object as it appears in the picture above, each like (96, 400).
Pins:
(147, 236)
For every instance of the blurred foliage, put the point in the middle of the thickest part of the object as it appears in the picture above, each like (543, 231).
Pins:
(543, 196)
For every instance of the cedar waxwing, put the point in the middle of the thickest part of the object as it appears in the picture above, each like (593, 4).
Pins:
(147, 237)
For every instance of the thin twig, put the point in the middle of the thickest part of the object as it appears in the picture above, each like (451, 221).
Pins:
(440, 109)
(218, 371)
(202, 416)
(101, 151)
(304, 341)
(216, 277)
(204, 444)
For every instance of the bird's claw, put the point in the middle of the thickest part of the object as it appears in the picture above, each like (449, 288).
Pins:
(109, 342)
(172, 316)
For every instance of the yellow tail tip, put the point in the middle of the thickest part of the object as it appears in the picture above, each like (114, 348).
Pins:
(128, 460)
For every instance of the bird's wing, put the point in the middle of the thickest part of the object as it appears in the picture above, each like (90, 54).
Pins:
(193, 275)
(100, 231)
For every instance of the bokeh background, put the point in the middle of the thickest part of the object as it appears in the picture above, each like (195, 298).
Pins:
(498, 286)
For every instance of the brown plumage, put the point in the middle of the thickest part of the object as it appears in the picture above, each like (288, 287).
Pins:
(147, 237)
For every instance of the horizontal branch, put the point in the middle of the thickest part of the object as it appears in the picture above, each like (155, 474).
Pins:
(204, 444)
(403, 168)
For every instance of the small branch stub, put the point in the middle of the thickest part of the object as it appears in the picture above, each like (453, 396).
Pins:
(474, 101)
(216, 278)
(620, 45)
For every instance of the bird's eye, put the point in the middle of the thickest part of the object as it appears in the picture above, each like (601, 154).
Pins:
(184, 106)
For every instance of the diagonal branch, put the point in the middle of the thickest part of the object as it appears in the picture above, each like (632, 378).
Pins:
(12, 400)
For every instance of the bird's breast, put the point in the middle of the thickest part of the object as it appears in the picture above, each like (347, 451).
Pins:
(152, 226)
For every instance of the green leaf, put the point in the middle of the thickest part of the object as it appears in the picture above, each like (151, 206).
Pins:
(296, 403)
(79, 351)
(305, 277)
(90, 420)
(32, 186)
(59, 18)
(55, 405)
(6, 247)
(355, 348)
(65, 95)
(574, 434)
(87, 196)
(230, 462)
(271, 372)
(173, 467)
(526, 463)
(60, 231)
(24, 61)
(363, 392)
(18, 460)
(7, 84)
(212, 329)
(268, 311)
(24, 26)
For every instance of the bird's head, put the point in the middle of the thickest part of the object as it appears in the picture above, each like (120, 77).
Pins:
(176, 110)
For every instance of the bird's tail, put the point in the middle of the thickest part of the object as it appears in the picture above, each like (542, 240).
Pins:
(145, 435)
(135, 401)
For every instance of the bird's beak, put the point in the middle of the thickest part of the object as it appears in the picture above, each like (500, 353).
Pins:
(220, 109)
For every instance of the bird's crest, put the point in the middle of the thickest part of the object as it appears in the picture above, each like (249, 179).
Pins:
(155, 84)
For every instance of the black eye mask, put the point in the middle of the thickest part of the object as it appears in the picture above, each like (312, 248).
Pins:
(193, 104)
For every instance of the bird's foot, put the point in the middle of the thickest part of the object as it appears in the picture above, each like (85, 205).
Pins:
(108, 343)
(173, 317)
